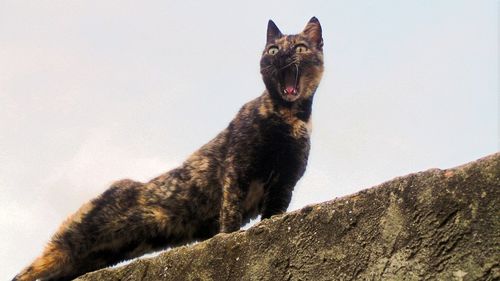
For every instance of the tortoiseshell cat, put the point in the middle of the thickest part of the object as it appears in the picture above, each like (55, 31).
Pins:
(250, 168)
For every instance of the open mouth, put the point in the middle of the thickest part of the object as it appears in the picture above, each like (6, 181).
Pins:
(289, 83)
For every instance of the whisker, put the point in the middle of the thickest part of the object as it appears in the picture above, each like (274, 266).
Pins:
(295, 61)
(267, 69)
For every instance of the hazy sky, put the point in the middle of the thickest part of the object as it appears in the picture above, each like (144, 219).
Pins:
(95, 91)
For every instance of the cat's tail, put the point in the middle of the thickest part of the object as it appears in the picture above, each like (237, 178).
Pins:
(97, 228)
(53, 262)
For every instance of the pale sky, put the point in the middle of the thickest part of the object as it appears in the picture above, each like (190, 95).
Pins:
(95, 91)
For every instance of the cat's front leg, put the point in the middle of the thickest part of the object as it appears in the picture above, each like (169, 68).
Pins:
(231, 209)
(277, 198)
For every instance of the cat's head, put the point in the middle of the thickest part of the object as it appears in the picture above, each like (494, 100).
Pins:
(292, 65)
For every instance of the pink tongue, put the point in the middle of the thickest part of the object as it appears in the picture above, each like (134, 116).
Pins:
(290, 90)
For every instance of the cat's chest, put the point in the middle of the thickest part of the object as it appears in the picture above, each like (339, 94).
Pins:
(286, 144)
(300, 129)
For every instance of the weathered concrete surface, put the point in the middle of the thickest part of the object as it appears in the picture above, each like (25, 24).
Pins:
(432, 225)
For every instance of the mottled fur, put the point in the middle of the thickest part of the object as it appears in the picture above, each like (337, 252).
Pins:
(250, 168)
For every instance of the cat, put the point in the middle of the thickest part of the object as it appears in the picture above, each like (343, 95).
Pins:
(249, 168)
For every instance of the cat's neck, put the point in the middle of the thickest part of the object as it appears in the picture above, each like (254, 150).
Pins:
(300, 109)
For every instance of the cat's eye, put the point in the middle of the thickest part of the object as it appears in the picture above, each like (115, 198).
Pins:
(301, 48)
(273, 50)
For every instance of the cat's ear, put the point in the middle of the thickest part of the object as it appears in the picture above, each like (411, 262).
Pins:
(313, 31)
(273, 32)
